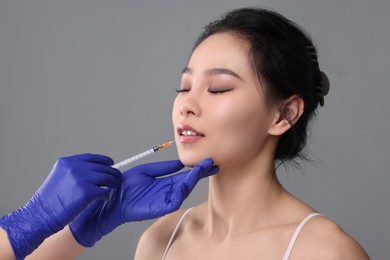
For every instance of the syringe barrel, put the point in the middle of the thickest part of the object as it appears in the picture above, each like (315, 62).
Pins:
(132, 159)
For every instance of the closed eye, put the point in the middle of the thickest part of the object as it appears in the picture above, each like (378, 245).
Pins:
(182, 90)
(219, 91)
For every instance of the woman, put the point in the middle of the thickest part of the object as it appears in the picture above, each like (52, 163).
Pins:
(251, 86)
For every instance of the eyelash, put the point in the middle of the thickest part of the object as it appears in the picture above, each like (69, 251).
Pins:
(219, 91)
(209, 90)
(182, 90)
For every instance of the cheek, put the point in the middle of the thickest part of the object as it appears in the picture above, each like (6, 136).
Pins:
(241, 128)
(241, 117)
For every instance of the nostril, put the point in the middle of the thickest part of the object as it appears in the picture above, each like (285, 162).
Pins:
(189, 106)
(188, 110)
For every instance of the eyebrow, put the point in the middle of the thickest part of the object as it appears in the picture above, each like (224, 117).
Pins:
(214, 71)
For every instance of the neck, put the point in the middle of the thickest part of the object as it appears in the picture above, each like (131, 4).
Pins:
(243, 198)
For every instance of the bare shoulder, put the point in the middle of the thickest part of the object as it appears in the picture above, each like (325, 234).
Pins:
(322, 238)
(154, 240)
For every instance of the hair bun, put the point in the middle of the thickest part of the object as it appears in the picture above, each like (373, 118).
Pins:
(323, 88)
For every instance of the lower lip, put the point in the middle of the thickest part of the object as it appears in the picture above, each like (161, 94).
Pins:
(189, 139)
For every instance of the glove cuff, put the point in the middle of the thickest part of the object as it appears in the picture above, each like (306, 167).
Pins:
(26, 228)
(16, 236)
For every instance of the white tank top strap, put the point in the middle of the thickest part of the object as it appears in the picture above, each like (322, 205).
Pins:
(296, 233)
(174, 233)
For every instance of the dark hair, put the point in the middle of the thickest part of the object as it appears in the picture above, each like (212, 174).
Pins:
(285, 59)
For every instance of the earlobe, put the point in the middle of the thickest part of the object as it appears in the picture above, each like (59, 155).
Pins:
(289, 113)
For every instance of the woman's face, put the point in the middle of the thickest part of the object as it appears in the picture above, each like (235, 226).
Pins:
(220, 111)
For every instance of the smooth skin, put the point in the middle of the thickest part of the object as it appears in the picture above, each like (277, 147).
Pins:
(5, 247)
(248, 214)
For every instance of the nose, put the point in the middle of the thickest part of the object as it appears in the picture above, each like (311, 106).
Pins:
(189, 104)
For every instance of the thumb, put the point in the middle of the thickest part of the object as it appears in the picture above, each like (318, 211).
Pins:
(182, 187)
(202, 170)
(157, 169)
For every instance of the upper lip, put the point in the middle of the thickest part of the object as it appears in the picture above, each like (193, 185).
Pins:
(186, 127)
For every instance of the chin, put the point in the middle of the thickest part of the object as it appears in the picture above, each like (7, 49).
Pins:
(192, 159)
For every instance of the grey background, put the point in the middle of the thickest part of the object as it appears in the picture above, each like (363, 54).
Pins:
(99, 76)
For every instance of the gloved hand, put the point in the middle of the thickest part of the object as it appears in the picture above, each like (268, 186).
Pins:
(144, 194)
(72, 185)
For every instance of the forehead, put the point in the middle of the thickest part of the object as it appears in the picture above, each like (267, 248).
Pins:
(222, 50)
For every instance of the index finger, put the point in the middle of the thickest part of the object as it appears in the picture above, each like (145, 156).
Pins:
(95, 158)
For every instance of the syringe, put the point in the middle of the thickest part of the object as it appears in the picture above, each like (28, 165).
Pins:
(141, 155)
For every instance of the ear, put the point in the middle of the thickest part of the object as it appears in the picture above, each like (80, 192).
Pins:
(288, 114)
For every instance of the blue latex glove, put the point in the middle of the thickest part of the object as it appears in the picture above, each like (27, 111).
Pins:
(72, 185)
(144, 194)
